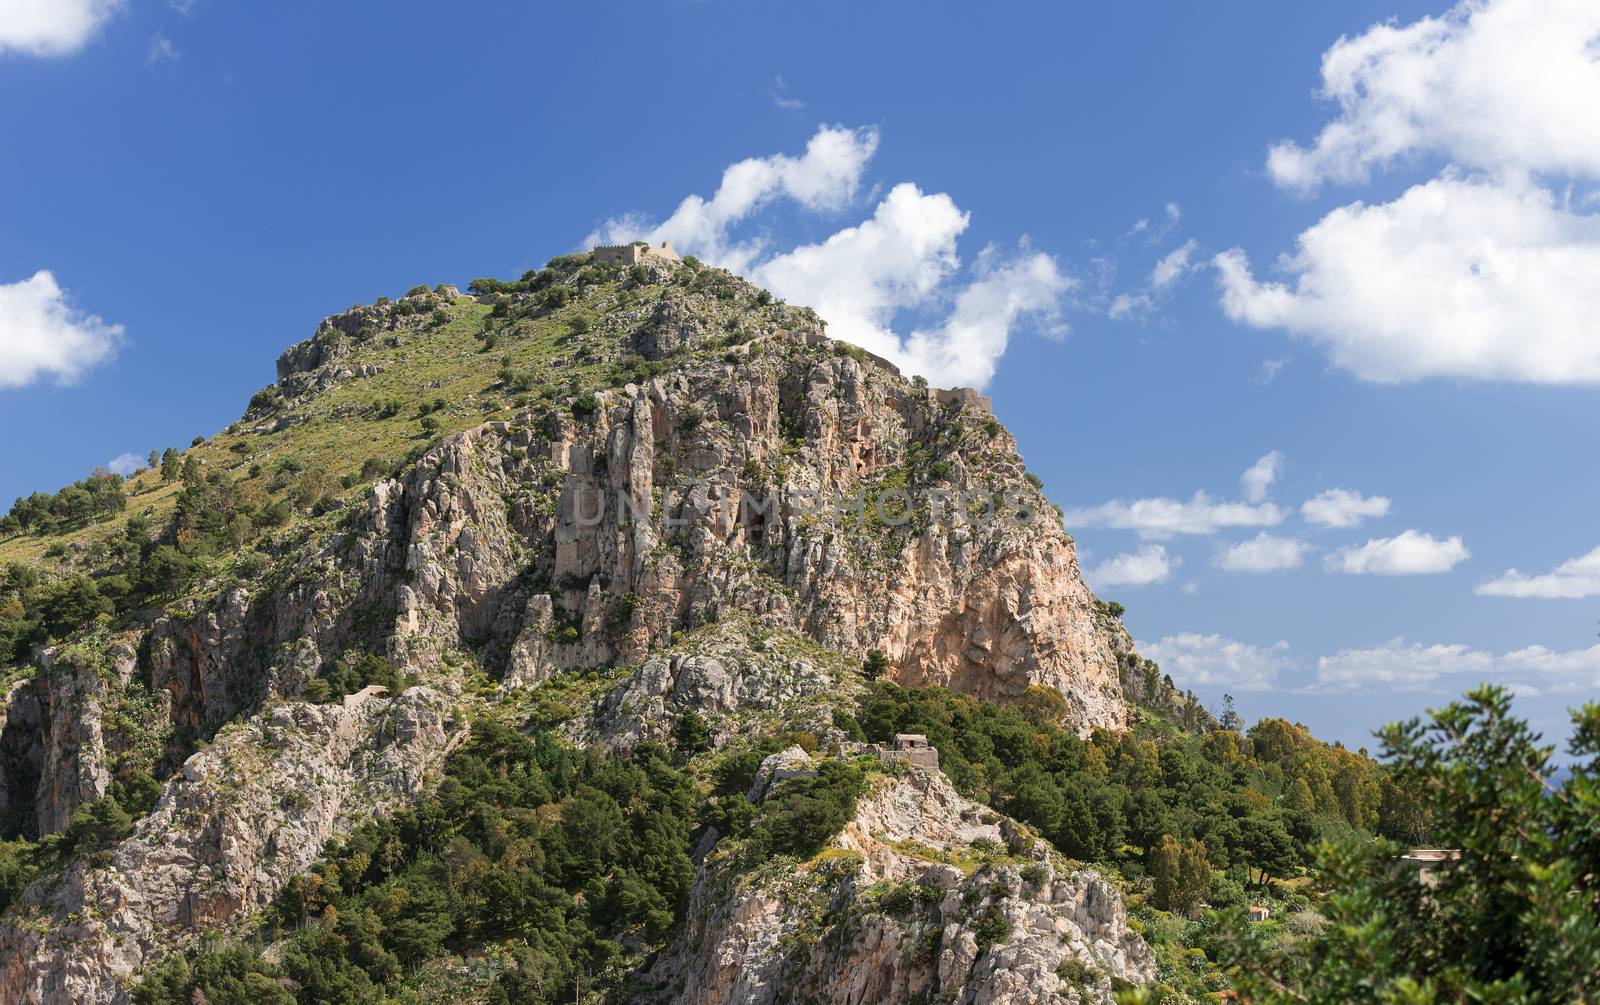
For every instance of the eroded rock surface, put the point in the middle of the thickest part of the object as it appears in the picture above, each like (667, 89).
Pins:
(878, 917)
(229, 831)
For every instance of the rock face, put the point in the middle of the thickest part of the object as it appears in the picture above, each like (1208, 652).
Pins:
(784, 503)
(796, 485)
(785, 686)
(880, 918)
(229, 831)
(53, 750)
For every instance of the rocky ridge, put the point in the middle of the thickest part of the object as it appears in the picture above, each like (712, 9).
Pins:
(913, 901)
(757, 483)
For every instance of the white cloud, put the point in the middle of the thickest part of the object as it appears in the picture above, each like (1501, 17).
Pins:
(1343, 508)
(42, 334)
(1263, 553)
(966, 346)
(52, 27)
(1398, 665)
(824, 179)
(1143, 301)
(1270, 368)
(1148, 565)
(779, 93)
(1499, 85)
(1212, 659)
(1127, 305)
(1470, 279)
(161, 50)
(1572, 580)
(1409, 553)
(1258, 479)
(1174, 214)
(1162, 517)
(125, 464)
(1173, 266)
(903, 258)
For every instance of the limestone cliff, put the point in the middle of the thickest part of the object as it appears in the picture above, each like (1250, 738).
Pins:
(923, 896)
(737, 522)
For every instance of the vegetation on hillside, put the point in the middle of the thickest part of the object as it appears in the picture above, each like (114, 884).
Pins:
(1511, 916)
(554, 871)
(563, 867)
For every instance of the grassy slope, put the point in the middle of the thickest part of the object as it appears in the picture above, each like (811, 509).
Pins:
(339, 429)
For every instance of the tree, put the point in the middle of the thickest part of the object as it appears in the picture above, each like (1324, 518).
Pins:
(1180, 872)
(71, 604)
(1161, 862)
(1194, 875)
(1511, 915)
(690, 734)
(1230, 719)
(875, 665)
(1267, 846)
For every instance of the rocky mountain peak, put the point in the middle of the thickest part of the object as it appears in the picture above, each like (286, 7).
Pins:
(645, 495)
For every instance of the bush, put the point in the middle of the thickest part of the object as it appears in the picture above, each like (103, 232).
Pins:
(807, 812)
(875, 665)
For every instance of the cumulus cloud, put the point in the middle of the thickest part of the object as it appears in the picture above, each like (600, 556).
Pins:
(1257, 480)
(125, 464)
(1192, 659)
(1409, 553)
(42, 334)
(1128, 305)
(1399, 665)
(1485, 272)
(824, 179)
(1173, 265)
(862, 279)
(1466, 278)
(1493, 84)
(904, 256)
(52, 27)
(1343, 508)
(1571, 580)
(1162, 517)
(1263, 553)
(1148, 565)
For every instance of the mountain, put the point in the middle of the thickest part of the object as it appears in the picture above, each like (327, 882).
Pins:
(622, 554)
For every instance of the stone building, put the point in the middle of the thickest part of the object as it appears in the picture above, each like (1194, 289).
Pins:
(913, 748)
(637, 253)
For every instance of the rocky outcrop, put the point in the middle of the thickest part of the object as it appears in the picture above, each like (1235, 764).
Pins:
(736, 527)
(915, 900)
(317, 363)
(782, 686)
(54, 751)
(794, 485)
(240, 819)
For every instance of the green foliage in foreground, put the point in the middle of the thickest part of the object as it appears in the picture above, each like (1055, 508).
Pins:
(528, 843)
(1254, 805)
(569, 863)
(1512, 921)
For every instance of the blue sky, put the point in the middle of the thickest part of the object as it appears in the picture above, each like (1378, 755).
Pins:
(204, 181)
